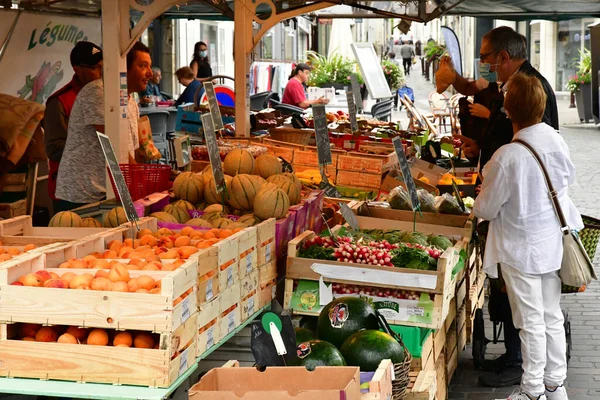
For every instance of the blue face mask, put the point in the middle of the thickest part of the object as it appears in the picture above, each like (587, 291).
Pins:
(202, 54)
(484, 71)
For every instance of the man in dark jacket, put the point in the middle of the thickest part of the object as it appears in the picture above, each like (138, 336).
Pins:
(86, 60)
(503, 52)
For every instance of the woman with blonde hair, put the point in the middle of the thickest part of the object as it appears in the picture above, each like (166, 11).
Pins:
(525, 237)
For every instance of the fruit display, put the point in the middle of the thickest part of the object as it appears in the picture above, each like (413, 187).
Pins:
(447, 179)
(304, 335)
(366, 349)
(83, 336)
(8, 253)
(343, 317)
(317, 353)
(65, 219)
(382, 248)
(399, 199)
(200, 153)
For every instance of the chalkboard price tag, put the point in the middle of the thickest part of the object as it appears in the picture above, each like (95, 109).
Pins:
(213, 152)
(457, 195)
(406, 175)
(328, 188)
(349, 216)
(213, 104)
(356, 92)
(352, 110)
(262, 345)
(322, 134)
(117, 175)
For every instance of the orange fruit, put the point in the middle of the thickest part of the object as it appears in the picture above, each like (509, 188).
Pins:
(123, 339)
(98, 337)
(67, 338)
(143, 340)
(146, 282)
(78, 333)
(46, 334)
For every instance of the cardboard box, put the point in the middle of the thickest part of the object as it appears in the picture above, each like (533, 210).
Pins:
(278, 383)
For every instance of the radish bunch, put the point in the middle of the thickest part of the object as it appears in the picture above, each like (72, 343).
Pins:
(374, 291)
(372, 253)
(432, 251)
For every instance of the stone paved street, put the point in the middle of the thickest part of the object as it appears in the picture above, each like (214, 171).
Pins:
(583, 381)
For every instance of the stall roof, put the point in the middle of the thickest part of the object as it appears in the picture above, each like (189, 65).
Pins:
(528, 9)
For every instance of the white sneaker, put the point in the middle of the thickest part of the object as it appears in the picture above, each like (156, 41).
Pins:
(559, 394)
(518, 395)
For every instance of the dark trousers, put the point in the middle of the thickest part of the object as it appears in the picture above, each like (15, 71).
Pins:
(63, 205)
(500, 311)
(407, 62)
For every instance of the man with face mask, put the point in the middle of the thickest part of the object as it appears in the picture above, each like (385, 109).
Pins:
(503, 53)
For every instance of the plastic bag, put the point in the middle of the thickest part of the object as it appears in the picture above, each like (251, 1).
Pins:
(399, 199)
(446, 204)
(427, 201)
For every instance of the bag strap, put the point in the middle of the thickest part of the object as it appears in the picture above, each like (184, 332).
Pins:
(553, 194)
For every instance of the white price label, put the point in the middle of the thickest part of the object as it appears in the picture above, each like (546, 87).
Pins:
(417, 311)
(229, 276)
(268, 252)
(231, 322)
(209, 290)
(210, 337)
(185, 309)
(183, 362)
(251, 305)
(249, 263)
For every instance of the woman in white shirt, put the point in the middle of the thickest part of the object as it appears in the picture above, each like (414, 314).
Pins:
(524, 236)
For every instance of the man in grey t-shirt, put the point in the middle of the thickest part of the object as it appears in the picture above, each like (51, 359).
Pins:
(82, 172)
(407, 53)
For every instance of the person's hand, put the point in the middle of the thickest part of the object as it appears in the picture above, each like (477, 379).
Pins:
(469, 147)
(478, 110)
(477, 190)
(445, 75)
(323, 101)
(146, 100)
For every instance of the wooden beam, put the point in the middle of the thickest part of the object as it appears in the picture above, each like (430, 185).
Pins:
(244, 13)
(223, 8)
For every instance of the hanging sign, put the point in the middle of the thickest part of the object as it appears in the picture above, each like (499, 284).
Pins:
(406, 175)
(352, 110)
(356, 91)
(458, 196)
(213, 105)
(322, 134)
(213, 151)
(117, 175)
(349, 216)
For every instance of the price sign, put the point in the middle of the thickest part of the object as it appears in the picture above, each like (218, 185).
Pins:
(356, 91)
(117, 175)
(322, 134)
(406, 175)
(352, 110)
(213, 104)
(349, 216)
(458, 196)
(328, 188)
(213, 152)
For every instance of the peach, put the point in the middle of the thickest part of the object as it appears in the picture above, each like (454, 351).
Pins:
(169, 255)
(89, 259)
(67, 338)
(136, 244)
(110, 254)
(143, 340)
(135, 256)
(46, 334)
(5, 257)
(102, 284)
(128, 243)
(169, 267)
(151, 267)
(56, 283)
(79, 333)
(144, 232)
(186, 231)
(142, 291)
(88, 277)
(119, 287)
(123, 339)
(67, 276)
(100, 264)
(28, 339)
(97, 337)
(78, 282)
(164, 232)
(101, 273)
(29, 329)
(158, 283)
(148, 240)
(118, 273)
(17, 283)
(28, 247)
(79, 264)
(166, 242)
(33, 280)
(66, 264)
(179, 262)
(182, 241)
(146, 282)
(133, 267)
(187, 251)
(54, 275)
(132, 285)
(13, 251)
(156, 290)
(43, 275)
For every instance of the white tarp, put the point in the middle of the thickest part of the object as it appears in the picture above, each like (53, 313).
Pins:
(36, 60)
(340, 39)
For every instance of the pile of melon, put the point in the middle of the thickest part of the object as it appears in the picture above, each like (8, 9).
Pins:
(256, 190)
(68, 219)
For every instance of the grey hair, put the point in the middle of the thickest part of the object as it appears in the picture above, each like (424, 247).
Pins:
(156, 69)
(506, 39)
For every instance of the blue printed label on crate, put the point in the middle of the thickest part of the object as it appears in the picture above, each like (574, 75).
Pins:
(209, 290)
(183, 362)
(249, 263)
(268, 252)
(185, 309)
(231, 322)
(210, 337)
(229, 276)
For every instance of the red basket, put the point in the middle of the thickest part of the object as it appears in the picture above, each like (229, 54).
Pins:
(143, 179)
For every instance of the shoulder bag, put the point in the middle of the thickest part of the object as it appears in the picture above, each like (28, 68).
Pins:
(576, 268)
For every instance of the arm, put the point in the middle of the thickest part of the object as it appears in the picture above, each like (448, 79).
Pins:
(494, 192)
(56, 128)
(447, 76)
(307, 103)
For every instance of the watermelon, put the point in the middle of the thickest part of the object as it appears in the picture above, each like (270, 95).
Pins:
(304, 335)
(343, 317)
(366, 349)
(318, 353)
(309, 322)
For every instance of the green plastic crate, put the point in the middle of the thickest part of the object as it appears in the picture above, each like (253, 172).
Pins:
(413, 337)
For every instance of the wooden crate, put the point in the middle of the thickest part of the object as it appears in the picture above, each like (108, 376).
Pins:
(113, 310)
(284, 150)
(309, 156)
(451, 341)
(367, 163)
(330, 170)
(422, 385)
(265, 235)
(426, 361)
(230, 320)
(14, 209)
(380, 385)
(249, 305)
(250, 284)
(442, 382)
(228, 262)
(248, 252)
(229, 297)
(461, 323)
(267, 293)
(439, 341)
(209, 329)
(358, 179)
(267, 273)
(208, 275)
(102, 364)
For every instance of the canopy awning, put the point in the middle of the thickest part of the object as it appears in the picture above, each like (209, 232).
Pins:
(528, 9)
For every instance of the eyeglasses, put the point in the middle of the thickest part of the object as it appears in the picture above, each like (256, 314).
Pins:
(483, 56)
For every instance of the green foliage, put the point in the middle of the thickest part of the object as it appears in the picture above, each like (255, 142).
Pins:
(433, 49)
(584, 72)
(333, 69)
(393, 74)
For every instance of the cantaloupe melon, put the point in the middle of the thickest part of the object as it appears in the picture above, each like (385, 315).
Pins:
(267, 165)
(180, 214)
(189, 186)
(294, 179)
(242, 191)
(90, 223)
(115, 217)
(186, 205)
(210, 194)
(287, 185)
(249, 220)
(200, 206)
(217, 208)
(236, 225)
(199, 222)
(271, 202)
(210, 217)
(65, 219)
(221, 223)
(238, 161)
(164, 217)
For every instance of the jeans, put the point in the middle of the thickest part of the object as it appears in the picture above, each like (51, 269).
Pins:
(407, 62)
(535, 303)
